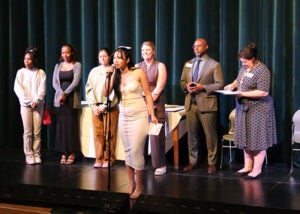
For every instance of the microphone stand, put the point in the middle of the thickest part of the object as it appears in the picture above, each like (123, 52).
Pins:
(107, 128)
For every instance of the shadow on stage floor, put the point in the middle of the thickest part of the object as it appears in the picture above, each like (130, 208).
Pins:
(80, 188)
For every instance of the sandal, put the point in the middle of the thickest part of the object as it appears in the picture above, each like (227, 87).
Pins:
(63, 159)
(70, 160)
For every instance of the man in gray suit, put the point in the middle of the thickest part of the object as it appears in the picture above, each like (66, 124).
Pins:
(200, 77)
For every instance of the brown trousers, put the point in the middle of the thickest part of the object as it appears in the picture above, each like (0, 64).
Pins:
(101, 145)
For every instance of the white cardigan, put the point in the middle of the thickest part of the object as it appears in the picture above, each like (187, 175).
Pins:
(30, 86)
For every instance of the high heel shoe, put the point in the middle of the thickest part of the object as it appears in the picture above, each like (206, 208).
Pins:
(131, 189)
(136, 193)
(249, 177)
(243, 173)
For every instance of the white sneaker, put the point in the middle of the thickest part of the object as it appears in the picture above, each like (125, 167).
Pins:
(37, 158)
(30, 159)
(161, 170)
(105, 164)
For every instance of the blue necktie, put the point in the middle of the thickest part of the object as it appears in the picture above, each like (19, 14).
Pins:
(196, 70)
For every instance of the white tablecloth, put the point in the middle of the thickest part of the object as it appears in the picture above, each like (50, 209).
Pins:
(175, 116)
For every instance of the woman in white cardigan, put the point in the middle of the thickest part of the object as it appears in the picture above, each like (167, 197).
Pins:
(30, 87)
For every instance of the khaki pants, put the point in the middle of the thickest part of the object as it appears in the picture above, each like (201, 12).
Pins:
(32, 125)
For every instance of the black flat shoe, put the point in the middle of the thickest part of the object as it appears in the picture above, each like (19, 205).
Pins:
(242, 173)
(252, 177)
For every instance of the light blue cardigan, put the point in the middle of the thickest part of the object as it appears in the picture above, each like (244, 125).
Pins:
(74, 86)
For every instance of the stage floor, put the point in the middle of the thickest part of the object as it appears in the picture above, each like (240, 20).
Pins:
(275, 191)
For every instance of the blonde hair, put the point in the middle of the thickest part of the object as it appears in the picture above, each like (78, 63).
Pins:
(149, 43)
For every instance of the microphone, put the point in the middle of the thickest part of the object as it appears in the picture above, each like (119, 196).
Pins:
(108, 74)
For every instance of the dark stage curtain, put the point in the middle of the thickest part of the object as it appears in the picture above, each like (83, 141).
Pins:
(173, 25)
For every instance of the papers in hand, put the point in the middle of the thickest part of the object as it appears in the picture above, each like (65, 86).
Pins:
(154, 129)
(227, 92)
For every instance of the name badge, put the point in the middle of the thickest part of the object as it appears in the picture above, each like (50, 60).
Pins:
(189, 65)
(250, 75)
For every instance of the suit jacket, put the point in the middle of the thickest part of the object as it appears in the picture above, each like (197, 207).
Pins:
(74, 86)
(212, 79)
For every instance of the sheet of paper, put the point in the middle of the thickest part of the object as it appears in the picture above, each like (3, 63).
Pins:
(154, 129)
(172, 108)
(227, 92)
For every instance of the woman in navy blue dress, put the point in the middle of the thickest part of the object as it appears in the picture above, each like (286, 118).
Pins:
(255, 126)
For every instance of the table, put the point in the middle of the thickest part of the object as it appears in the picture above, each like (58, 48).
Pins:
(175, 128)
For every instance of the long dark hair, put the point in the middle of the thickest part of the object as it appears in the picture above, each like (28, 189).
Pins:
(33, 52)
(73, 53)
(125, 54)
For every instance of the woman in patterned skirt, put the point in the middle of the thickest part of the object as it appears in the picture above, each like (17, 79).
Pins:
(255, 126)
